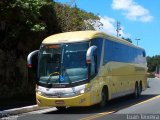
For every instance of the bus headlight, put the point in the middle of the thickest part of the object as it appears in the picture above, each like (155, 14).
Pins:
(82, 91)
(38, 91)
(87, 89)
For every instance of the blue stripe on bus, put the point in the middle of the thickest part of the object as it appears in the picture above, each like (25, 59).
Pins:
(118, 52)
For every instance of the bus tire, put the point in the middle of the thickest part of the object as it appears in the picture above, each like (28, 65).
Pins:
(140, 87)
(137, 91)
(61, 108)
(104, 98)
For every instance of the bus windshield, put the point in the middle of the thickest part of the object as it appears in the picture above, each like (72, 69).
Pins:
(63, 63)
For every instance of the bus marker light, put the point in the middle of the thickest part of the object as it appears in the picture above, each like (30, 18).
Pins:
(29, 65)
(88, 61)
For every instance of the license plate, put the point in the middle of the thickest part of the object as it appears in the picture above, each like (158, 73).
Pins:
(59, 102)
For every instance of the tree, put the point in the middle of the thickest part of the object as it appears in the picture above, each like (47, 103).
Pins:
(23, 26)
(153, 62)
(73, 18)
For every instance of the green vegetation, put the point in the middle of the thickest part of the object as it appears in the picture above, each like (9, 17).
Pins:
(153, 63)
(23, 25)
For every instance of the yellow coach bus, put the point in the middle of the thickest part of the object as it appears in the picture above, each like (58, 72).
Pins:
(84, 68)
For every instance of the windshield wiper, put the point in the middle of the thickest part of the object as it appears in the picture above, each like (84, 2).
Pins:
(49, 79)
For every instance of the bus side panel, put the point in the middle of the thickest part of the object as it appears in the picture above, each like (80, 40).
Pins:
(123, 65)
(125, 76)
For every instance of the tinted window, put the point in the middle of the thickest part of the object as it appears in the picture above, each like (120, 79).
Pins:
(119, 52)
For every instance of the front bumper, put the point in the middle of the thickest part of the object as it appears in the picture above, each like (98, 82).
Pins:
(79, 100)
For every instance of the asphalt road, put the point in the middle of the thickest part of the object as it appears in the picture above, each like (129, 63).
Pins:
(126, 108)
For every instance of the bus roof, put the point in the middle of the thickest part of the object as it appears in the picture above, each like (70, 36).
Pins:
(81, 36)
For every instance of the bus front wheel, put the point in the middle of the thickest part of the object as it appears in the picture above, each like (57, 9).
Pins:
(104, 98)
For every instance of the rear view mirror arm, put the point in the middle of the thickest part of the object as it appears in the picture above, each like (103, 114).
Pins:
(29, 58)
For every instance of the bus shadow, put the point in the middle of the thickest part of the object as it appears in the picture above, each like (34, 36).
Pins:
(113, 105)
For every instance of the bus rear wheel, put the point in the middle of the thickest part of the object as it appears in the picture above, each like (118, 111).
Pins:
(141, 87)
(137, 91)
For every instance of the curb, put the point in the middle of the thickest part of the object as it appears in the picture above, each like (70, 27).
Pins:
(21, 110)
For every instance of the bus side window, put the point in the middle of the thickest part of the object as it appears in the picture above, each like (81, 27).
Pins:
(94, 66)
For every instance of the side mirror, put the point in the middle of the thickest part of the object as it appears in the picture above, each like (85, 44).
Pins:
(30, 58)
(89, 60)
(90, 54)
